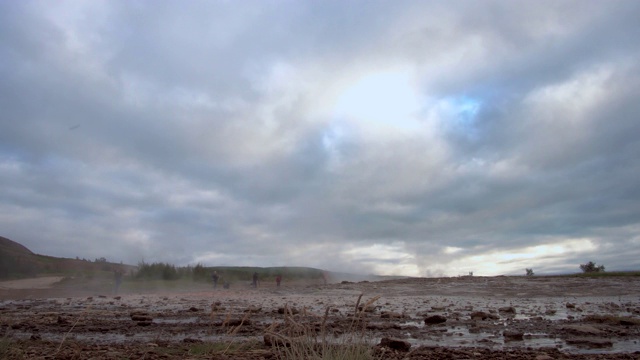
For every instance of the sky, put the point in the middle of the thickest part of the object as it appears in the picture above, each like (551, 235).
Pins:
(417, 138)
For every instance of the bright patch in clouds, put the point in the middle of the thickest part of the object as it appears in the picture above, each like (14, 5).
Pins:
(451, 250)
(515, 261)
(385, 99)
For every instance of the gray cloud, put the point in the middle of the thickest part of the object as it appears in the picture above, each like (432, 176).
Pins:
(210, 132)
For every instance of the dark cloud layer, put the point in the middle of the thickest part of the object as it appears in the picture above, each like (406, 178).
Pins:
(417, 138)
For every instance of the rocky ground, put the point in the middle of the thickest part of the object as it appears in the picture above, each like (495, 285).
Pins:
(448, 318)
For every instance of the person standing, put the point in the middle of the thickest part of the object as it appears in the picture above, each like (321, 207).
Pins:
(215, 277)
(255, 280)
(117, 274)
(278, 280)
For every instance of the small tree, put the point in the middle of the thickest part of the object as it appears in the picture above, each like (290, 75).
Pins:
(591, 267)
(529, 272)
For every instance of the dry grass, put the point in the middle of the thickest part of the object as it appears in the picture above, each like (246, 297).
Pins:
(5, 347)
(296, 340)
(64, 338)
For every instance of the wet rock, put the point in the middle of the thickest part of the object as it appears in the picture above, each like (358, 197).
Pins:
(391, 315)
(583, 329)
(507, 310)
(141, 316)
(217, 306)
(368, 309)
(194, 309)
(481, 315)
(275, 340)
(629, 322)
(435, 319)
(144, 323)
(395, 344)
(292, 310)
(512, 335)
(590, 342)
(237, 322)
(61, 320)
(544, 357)
(550, 312)
(253, 310)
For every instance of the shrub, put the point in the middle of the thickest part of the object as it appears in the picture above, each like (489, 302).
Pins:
(529, 272)
(591, 267)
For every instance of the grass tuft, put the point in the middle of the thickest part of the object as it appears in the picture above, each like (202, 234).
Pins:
(295, 339)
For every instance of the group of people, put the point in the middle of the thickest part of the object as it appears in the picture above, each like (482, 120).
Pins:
(215, 277)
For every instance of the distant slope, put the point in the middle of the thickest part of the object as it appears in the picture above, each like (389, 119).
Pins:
(11, 247)
(16, 261)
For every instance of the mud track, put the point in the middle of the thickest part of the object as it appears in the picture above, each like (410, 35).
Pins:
(448, 318)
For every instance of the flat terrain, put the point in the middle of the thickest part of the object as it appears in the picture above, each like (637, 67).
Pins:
(447, 318)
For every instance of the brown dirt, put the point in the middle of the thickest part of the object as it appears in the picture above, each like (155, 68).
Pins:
(44, 282)
(484, 318)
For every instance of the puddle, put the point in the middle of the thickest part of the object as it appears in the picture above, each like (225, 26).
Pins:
(462, 337)
(623, 346)
(190, 320)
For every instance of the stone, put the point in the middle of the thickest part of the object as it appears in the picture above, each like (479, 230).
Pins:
(544, 357)
(590, 342)
(583, 329)
(512, 335)
(390, 315)
(481, 315)
(507, 309)
(435, 319)
(395, 344)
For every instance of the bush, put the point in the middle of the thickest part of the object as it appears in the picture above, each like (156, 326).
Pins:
(529, 272)
(591, 267)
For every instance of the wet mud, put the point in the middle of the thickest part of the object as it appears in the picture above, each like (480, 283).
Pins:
(466, 317)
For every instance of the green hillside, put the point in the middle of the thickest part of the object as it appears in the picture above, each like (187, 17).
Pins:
(16, 261)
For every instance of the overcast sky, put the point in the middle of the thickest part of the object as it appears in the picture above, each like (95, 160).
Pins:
(420, 138)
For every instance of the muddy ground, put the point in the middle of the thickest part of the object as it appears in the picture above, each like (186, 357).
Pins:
(448, 318)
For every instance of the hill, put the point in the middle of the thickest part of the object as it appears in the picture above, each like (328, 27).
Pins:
(17, 261)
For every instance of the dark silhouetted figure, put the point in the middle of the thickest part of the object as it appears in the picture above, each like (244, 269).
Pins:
(278, 280)
(215, 277)
(117, 274)
(255, 280)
